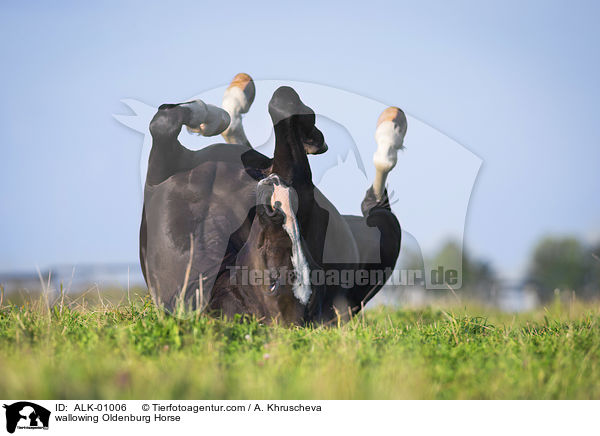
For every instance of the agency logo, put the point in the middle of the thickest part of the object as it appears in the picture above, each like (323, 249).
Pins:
(24, 415)
(429, 187)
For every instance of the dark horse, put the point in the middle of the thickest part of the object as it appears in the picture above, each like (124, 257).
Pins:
(230, 231)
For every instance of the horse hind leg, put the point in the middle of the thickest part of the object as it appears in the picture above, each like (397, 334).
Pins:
(389, 135)
(237, 100)
(379, 251)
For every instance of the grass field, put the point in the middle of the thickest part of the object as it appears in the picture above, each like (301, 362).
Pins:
(129, 350)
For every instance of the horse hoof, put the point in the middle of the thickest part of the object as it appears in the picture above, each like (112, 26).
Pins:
(206, 119)
(239, 95)
(389, 135)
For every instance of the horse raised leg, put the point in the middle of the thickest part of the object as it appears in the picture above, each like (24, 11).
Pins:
(167, 155)
(237, 100)
(377, 233)
(389, 135)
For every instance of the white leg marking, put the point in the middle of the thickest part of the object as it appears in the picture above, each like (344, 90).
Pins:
(237, 100)
(389, 135)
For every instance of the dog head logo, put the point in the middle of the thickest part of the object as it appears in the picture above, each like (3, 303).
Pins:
(26, 415)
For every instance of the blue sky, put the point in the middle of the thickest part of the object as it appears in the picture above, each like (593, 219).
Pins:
(514, 82)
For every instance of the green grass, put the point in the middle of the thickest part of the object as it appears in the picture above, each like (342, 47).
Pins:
(121, 351)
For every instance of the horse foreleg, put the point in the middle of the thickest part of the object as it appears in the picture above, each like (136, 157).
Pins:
(167, 155)
(389, 135)
(237, 100)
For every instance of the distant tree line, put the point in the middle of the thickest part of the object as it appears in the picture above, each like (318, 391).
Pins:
(479, 279)
(565, 264)
(557, 264)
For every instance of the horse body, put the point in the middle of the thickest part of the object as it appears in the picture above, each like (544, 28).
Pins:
(203, 221)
